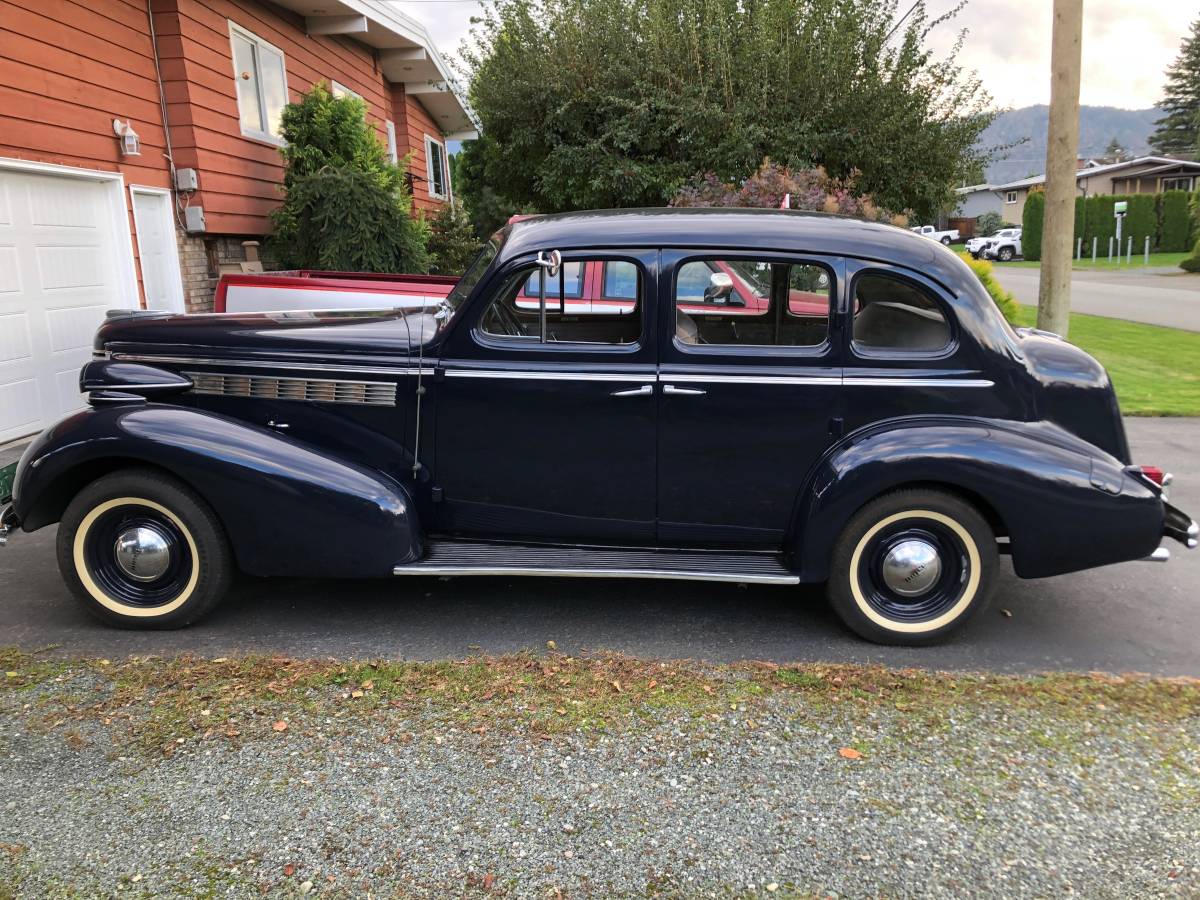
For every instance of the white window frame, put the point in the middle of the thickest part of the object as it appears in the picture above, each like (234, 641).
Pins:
(264, 136)
(337, 89)
(429, 141)
(1010, 197)
(1191, 182)
(392, 148)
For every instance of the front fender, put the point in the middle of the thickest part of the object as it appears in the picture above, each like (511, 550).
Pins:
(287, 507)
(1065, 504)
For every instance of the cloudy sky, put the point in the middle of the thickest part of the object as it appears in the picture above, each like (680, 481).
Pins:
(1126, 44)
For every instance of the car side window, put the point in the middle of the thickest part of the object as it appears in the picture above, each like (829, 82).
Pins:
(578, 317)
(893, 314)
(749, 302)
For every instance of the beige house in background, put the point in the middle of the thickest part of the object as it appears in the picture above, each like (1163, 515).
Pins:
(1144, 175)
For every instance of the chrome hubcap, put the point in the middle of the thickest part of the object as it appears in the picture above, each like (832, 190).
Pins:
(912, 567)
(143, 552)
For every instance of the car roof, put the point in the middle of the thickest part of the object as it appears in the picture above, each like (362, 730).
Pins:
(749, 229)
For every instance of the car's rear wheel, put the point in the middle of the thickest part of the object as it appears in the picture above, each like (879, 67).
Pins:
(946, 241)
(912, 566)
(140, 549)
(1006, 254)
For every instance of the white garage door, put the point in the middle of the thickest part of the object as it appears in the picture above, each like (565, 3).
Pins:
(61, 267)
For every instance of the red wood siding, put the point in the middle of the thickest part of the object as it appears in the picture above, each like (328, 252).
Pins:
(68, 69)
(239, 176)
(412, 124)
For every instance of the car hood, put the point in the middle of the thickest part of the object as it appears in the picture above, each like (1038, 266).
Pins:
(324, 334)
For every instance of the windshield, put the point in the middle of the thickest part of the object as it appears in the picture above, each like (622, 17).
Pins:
(466, 284)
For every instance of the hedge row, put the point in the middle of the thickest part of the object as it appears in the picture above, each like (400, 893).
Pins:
(1164, 218)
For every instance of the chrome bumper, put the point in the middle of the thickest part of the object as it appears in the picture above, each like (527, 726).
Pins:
(1178, 526)
(8, 524)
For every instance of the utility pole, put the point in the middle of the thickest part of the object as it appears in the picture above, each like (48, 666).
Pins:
(1062, 146)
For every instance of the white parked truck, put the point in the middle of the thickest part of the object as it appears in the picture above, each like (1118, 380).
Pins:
(933, 234)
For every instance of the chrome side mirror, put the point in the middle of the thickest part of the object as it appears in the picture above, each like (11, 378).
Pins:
(551, 261)
(720, 286)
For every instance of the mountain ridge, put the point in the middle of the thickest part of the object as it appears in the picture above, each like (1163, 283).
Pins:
(1018, 137)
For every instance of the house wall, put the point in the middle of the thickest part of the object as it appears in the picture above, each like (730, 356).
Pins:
(1012, 213)
(412, 124)
(239, 176)
(54, 108)
(973, 205)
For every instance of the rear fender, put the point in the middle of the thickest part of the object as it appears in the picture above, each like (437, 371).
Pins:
(287, 507)
(1064, 504)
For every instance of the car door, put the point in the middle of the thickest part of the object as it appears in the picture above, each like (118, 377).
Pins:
(748, 394)
(907, 353)
(548, 433)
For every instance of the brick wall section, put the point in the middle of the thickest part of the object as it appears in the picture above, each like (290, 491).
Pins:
(200, 259)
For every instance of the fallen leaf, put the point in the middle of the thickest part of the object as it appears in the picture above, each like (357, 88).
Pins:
(356, 694)
(488, 880)
(617, 687)
(280, 725)
(368, 685)
(288, 870)
(849, 753)
(652, 685)
(550, 645)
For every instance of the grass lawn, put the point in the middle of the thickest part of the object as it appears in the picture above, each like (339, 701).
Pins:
(1156, 259)
(1156, 370)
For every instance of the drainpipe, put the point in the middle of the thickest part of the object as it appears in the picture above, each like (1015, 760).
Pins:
(162, 108)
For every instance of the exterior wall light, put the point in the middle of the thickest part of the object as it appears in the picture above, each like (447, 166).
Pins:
(127, 138)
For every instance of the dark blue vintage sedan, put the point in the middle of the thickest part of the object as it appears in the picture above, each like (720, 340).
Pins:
(745, 396)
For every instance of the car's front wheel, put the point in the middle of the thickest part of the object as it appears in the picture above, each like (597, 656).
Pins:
(1006, 254)
(140, 549)
(912, 566)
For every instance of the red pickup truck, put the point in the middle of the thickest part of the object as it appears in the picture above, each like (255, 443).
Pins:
(591, 288)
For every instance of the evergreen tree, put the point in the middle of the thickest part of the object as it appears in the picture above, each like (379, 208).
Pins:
(1114, 150)
(1179, 130)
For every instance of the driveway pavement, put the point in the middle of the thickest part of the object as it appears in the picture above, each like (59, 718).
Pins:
(1168, 297)
(1130, 617)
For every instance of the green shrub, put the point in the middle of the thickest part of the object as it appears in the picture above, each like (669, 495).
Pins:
(452, 240)
(346, 205)
(1192, 263)
(1003, 299)
(1031, 224)
(1100, 223)
(1176, 224)
(1194, 215)
(1140, 221)
(988, 224)
(344, 219)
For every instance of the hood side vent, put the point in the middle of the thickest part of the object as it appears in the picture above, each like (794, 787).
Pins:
(267, 387)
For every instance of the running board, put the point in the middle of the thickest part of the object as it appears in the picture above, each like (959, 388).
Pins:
(482, 558)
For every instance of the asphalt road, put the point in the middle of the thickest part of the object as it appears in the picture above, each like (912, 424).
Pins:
(1159, 297)
(1132, 617)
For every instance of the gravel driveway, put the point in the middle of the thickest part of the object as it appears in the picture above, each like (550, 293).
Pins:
(773, 782)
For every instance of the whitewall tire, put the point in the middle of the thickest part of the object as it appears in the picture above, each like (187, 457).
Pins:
(912, 566)
(140, 549)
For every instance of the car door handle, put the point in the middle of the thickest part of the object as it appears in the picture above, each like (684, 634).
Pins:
(643, 391)
(671, 389)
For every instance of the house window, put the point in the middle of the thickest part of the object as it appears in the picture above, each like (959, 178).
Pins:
(261, 79)
(1183, 183)
(435, 169)
(340, 90)
(393, 151)
(1010, 197)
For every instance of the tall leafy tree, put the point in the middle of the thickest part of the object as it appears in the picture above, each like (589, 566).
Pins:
(595, 103)
(1178, 131)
